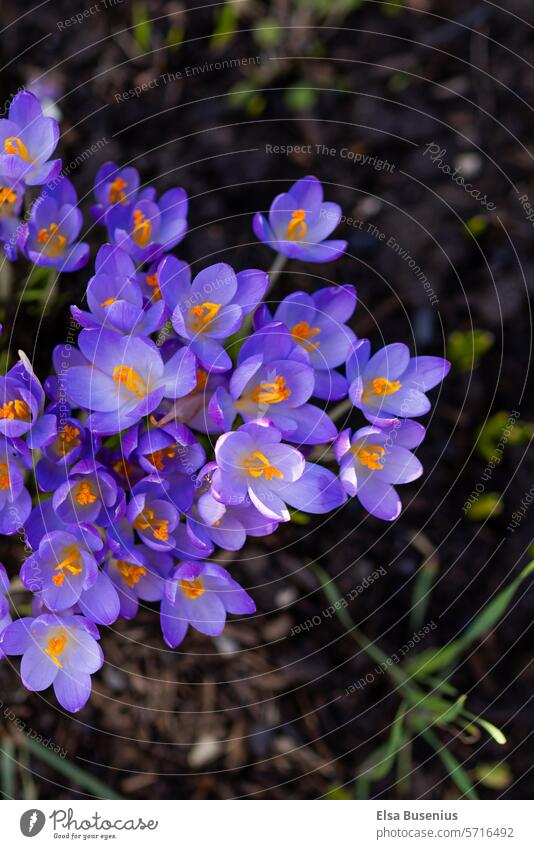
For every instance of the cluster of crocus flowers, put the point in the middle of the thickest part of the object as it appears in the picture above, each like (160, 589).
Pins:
(189, 417)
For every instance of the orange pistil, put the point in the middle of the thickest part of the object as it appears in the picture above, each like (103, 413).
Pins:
(67, 439)
(203, 315)
(4, 476)
(52, 240)
(258, 464)
(56, 646)
(370, 456)
(16, 409)
(152, 281)
(297, 227)
(16, 146)
(147, 521)
(132, 574)
(382, 386)
(85, 494)
(303, 333)
(123, 468)
(108, 302)
(131, 380)
(142, 229)
(116, 191)
(157, 458)
(270, 393)
(7, 199)
(71, 563)
(192, 589)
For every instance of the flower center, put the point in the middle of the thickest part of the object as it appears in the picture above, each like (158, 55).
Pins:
(131, 573)
(271, 393)
(16, 409)
(116, 191)
(147, 521)
(108, 302)
(85, 494)
(370, 456)
(152, 281)
(192, 589)
(71, 563)
(303, 333)
(16, 146)
(56, 646)
(203, 314)
(130, 379)
(142, 229)
(297, 227)
(258, 464)
(52, 240)
(7, 199)
(202, 380)
(4, 476)
(123, 468)
(157, 458)
(382, 386)
(67, 439)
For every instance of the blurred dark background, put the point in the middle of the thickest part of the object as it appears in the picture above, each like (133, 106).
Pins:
(388, 104)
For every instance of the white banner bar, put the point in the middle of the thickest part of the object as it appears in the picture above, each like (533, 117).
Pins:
(264, 824)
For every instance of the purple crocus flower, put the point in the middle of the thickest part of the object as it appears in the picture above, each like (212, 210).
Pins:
(125, 379)
(145, 228)
(172, 454)
(5, 614)
(390, 384)
(138, 574)
(56, 650)
(300, 222)
(317, 323)
(115, 299)
(27, 140)
(11, 198)
(114, 185)
(211, 307)
(152, 514)
(253, 464)
(70, 443)
(274, 380)
(373, 460)
(88, 495)
(21, 405)
(15, 500)
(200, 595)
(54, 225)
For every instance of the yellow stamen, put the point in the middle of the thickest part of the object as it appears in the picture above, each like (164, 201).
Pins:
(85, 494)
(271, 393)
(258, 464)
(67, 439)
(382, 386)
(131, 380)
(53, 241)
(71, 563)
(131, 573)
(7, 198)
(123, 468)
(116, 191)
(203, 314)
(147, 521)
(152, 281)
(370, 455)
(297, 227)
(16, 409)
(4, 476)
(202, 380)
(16, 146)
(108, 302)
(142, 229)
(302, 333)
(192, 589)
(56, 646)
(157, 458)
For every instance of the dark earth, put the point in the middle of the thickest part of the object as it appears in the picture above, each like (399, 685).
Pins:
(363, 89)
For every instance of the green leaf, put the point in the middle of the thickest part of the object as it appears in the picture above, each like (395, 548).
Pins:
(300, 98)
(454, 769)
(500, 430)
(466, 347)
(422, 588)
(142, 27)
(338, 793)
(381, 761)
(225, 24)
(7, 768)
(476, 225)
(497, 776)
(267, 33)
(175, 36)
(492, 730)
(487, 505)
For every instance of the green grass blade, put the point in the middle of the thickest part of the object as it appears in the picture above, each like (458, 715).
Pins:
(7, 768)
(454, 769)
